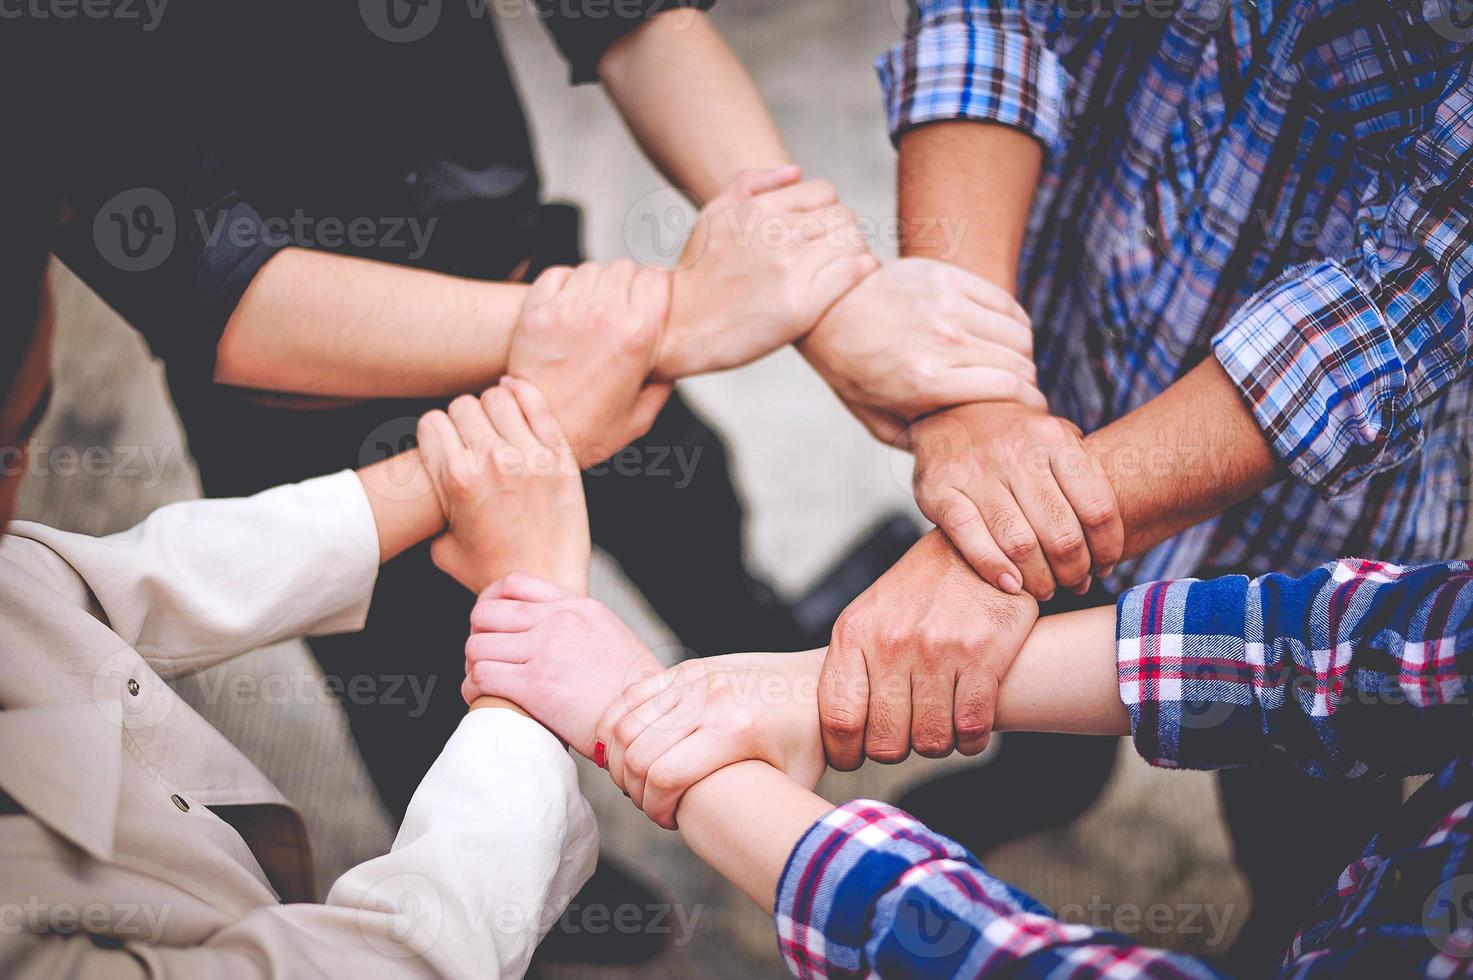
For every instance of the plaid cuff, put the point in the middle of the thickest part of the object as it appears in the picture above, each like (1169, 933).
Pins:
(970, 60)
(832, 910)
(1317, 364)
(1189, 657)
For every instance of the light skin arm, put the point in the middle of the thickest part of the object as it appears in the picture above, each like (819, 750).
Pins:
(333, 326)
(745, 819)
(965, 189)
(665, 77)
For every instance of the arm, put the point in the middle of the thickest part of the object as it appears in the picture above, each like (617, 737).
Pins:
(495, 840)
(665, 77)
(316, 324)
(974, 99)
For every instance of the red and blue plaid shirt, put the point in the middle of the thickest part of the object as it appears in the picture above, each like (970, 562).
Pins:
(1287, 185)
(1359, 670)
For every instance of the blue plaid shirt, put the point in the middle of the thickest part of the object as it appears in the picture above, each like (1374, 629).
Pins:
(1359, 670)
(1284, 184)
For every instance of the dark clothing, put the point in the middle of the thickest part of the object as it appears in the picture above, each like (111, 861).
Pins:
(266, 124)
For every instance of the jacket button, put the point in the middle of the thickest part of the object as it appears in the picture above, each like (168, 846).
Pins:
(180, 802)
(133, 687)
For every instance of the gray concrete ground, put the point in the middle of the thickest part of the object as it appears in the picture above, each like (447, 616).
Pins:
(1150, 860)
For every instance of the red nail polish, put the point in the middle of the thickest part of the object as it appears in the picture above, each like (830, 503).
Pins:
(600, 754)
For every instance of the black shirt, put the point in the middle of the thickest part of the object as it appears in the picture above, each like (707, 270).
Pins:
(206, 141)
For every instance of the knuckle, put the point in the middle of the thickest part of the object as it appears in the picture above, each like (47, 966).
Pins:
(841, 720)
(888, 752)
(1019, 547)
(662, 778)
(1097, 515)
(1066, 544)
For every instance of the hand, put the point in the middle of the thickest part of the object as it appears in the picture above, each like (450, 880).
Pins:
(668, 733)
(766, 260)
(921, 335)
(562, 657)
(588, 338)
(509, 487)
(1020, 496)
(916, 660)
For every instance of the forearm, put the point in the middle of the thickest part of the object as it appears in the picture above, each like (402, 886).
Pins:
(690, 103)
(744, 821)
(322, 325)
(405, 507)
(1185, 456)
(965, 190)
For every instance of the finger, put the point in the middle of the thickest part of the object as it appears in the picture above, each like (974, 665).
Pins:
(549, 283)
(538, 413)
(528, 588)
(497, 679)
(629, 699)
(996, 298)
(843, 702)
(581, 287)
(976, 700)
(750, 183)
(506, 648)
(835, 280)
(977, 350)
(688, 762)
(648, 405)
(955, 513)
(628, 729)
(506, 415)
(887, 728)
(967, 384)
(931, 692)
(503, 616)
(437, 440)
(811, 195)
(1057, 529)
(889, 429)
(1090, 494)
(617, 281)
(1015, 536)
(661, 734)
(474, 427)
(996, 328)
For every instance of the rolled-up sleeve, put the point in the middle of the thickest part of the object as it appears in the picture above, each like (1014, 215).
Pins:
(585, 29)
(1336, 358)
(1357, 670)
(966, 59)
(869, 891)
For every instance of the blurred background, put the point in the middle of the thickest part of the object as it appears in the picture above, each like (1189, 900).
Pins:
(1150, 860)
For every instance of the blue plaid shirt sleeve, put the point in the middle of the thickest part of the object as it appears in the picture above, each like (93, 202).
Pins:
(1357, 670)
(968, 59)
(869, 891)
(1336, 358)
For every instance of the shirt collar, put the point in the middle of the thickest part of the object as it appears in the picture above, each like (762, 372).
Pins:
(63, 764)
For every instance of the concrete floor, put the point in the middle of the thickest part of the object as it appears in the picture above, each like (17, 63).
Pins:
(1150, 860)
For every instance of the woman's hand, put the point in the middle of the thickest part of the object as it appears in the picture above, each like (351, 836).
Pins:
(665, 734)
(766, 259)
(562, 657)
(509, 487)
(919, 336)
(588, 338)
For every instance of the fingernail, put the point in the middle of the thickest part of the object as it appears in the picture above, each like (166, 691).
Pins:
(1010, 584)
(600, 754)
(1107, 571)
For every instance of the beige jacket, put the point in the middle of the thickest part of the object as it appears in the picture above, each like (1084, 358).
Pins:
(135, 840)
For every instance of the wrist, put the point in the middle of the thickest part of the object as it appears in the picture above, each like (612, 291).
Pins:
(673, 360)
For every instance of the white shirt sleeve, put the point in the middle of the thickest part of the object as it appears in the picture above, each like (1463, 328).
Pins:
(201, 581)
(497, 839)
